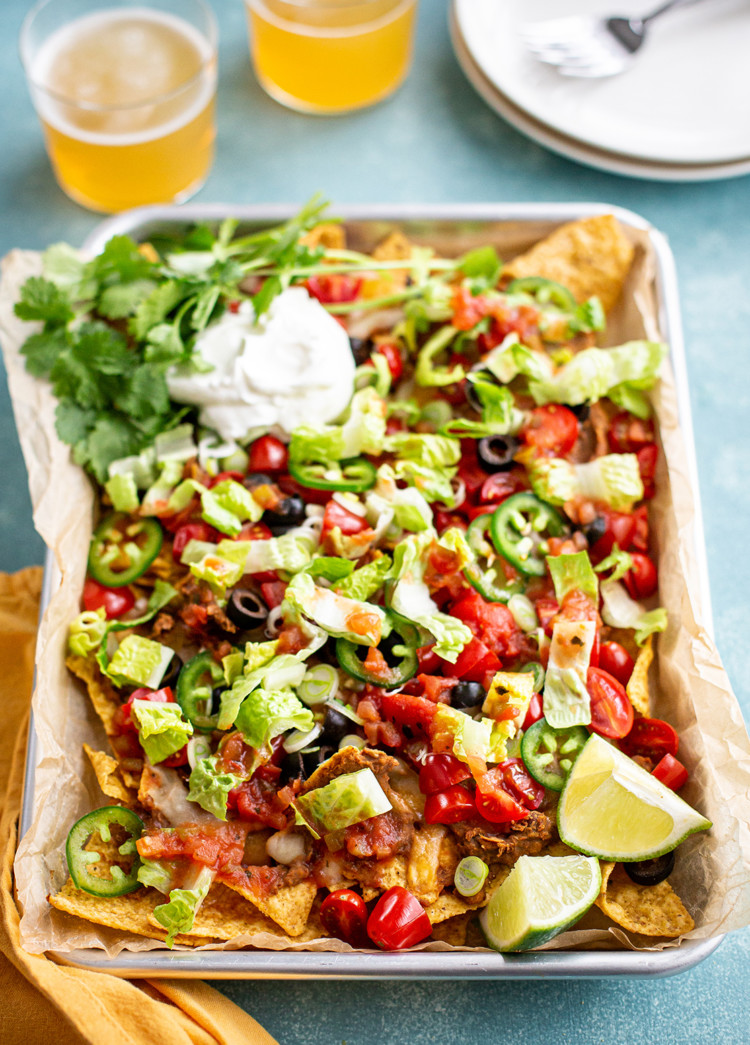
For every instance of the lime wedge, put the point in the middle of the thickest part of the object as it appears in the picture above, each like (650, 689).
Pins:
(542, 896)
(612, 808)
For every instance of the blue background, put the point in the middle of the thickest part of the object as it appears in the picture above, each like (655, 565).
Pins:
(436, 141)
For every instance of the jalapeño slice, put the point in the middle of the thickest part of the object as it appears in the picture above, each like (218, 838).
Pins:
(195, 688)
(349, 476)
(545, 291)
(400, 645)
(520, 528)
(84, 861)
(123, 548)
(549, 753)
(489, 579)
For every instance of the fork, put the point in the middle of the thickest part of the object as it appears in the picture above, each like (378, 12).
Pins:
(591, 47)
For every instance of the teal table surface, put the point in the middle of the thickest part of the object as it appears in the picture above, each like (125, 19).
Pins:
(436, 141)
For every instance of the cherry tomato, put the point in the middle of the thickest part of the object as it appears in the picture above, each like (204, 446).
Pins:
(179, 758)
(273, 593)
(520, 784)
(470, 471)
(616, 661)
(414, 713)
(640, 535)
(535, 712)
(392, 355)
(647, 458)
(337, 515)
(441, 771)
(195, 531)
(611, 711)
(494, 801)
(115, 601)
(620, 530)
(627, 433)
(551, 430)
(641, 580)
(289, 485)
(344, 914)
(502, 485)
(428, 660)
(268, 454)
(398, 920)
(651, 738)
(156, 696)
(257, 531)
(449, 806)
(334, 288)
(474, 662)
(671, 772)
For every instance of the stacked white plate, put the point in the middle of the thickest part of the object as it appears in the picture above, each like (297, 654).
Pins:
(681, 112)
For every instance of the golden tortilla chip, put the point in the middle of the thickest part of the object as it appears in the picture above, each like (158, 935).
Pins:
(328, 234)
(637, 687)
(589, 257)
(130, 913)
(102, 695)
(107, 770)
(447, 906)
(651, 910)
(453, 930)
(387, 874)
(395, 247)
(424, 862)
(289, 907)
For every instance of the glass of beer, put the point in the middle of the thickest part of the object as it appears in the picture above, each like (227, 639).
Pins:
(124, 90)
(330, 56)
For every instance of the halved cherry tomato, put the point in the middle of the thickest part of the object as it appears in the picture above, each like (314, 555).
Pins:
(521, 785)
(627, 433)
(647, 456)
(156, 696)
(535, 711)
(502, 485)
(640, 536)
(273, 593)
(268, 454)
(195, 531)
(449, 806)
(494, 801)
(257, 531)
(641, 580)
(470, 471)
(344, 915)
(337, 515)
(398, 920)
(392, 354)
(620, 530)
(334, 288)
(611, 711)
(429, 661)
(474, 662)
(179, 758)
(441, 771)
(671, 772)
(616, 661)
(551, 430)
(114, 601)
(651, 738)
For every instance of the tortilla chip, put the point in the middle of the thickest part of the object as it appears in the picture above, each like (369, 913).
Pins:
(107, 770)
(328, 234)
(130, 913)
(637, 687)
(453, 930)
(424, 863)
(447, 906)
(651, 910)
(289, 907)
(589, 257)
(387, 873)
(101, 692)
(395, 247)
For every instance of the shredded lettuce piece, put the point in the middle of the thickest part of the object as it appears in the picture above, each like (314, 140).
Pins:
(156, 874)
(427, 449)
(471, 737)
(511, 358)
(573, 572)
(340, 616)
(87, 631)
(209, 786)
(620, 611)
(222, 566)
(162, 728)
(260, 670)
(362, 432)
(408, 508)
(266, 713)
(434, 484)
(123, 492)
(178, 916)
(427, 373)
(290, 552)
(566, 698)
(348, 799)
(614, 479)
(139, 662)
(618, 561)
(364, 582)
(329, 567)
(176, 444)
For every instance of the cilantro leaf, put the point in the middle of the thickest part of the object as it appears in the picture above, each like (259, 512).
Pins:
(42, 349)
(146, 393)
(122, 299)
(156, 306)
(121, 261)
(164, 344)
(43, 300)
(111, 437)
(73, 422)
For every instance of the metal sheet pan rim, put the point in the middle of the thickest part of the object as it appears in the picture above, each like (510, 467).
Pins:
(244, 964)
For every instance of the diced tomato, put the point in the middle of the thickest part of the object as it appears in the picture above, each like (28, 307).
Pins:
(611, 711)
(449, 806)
(492, 622)
(468, 308)
(195, 531)
(470, 471)
(640, 537)
(114, 601)
(474, 663)
(273, 593)
(502, 485)
(620, 530)
(333, 288)
(628, 434)
(337, 515)
(269, 455)
(441, 771)
(414, 714)
(428, 659)
(434, 687)
(641, 580)
(671, 772)
(257, 802)
(551, 430)
(647, 456)
(179, 758)
(392, 354)
(650, 738)
(236, 477)
(125, 722)
(344, 915)
(615, 659)
(216, 844)
(291, 640)
(535, 711)
(398, 920)
(523, 321)
(547, 609)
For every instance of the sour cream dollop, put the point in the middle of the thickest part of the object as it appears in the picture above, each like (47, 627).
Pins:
(293, 366)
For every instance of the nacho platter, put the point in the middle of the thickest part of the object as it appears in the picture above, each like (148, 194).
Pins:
(474, 225)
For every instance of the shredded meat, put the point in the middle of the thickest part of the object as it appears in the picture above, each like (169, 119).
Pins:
(164, 622)
(504, 843)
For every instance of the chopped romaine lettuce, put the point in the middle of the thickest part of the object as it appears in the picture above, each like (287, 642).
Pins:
(210, 785)
(364, 582)
(123, 493)
(87, 632)
(573, 572)
(178, 916)
(620, 611)
(342, 617)
(139, 662)
(348, 799)
(566, 698)
(290, 552)
(162, 728)
(432, 451)
(362, 432)
(614, 479)
(264, 714)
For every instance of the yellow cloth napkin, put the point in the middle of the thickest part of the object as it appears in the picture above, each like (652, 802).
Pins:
(45, 1002)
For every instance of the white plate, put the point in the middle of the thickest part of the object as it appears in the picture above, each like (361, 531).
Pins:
(686, 99)
(572, 148)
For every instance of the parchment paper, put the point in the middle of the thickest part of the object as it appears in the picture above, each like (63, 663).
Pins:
(689, 685)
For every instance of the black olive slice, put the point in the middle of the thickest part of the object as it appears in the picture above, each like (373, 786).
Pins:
(246, 609)
(466, 695)
(470, 390)
(288, 513)
(361, 348)
(595, 530)
(581, 410)
(651, 872)
(496, 452)
(335, 726)
(172, 673)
